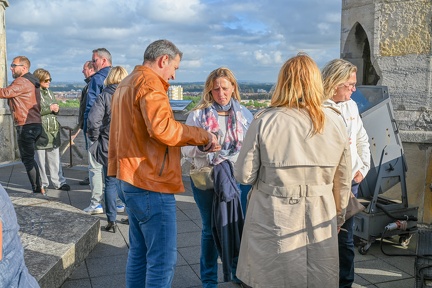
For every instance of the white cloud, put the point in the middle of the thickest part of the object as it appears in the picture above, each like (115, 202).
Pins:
(29, 40)
(172, 11)
(252, 37)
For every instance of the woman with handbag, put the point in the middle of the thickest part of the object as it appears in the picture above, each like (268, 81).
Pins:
(212, 180)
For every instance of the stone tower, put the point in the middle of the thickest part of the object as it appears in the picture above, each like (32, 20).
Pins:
(390, 42)
(7, 138)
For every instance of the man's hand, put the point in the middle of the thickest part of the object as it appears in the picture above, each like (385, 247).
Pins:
(358, 177)
(213, 144)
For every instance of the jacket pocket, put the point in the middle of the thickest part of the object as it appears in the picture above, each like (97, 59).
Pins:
(163, 161)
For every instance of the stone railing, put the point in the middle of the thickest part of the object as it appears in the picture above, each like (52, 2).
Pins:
(68, 118)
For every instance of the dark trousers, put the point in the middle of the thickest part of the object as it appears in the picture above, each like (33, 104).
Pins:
(346, 249)
(27, 136)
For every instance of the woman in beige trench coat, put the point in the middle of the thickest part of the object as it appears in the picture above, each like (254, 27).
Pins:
(296, 155)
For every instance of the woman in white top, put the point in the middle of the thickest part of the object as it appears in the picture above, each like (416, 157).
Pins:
(340, 79)
(219, 112)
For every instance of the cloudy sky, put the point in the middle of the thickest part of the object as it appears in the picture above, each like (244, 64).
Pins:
(251, 37)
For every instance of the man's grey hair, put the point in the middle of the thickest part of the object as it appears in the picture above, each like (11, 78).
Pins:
(159, 48)
(103, 53)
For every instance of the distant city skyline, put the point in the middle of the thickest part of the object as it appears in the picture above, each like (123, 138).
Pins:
(253, 38)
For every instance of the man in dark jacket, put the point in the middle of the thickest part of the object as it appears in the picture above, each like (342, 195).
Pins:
(88, 71)
(24, 101)
(102, 60)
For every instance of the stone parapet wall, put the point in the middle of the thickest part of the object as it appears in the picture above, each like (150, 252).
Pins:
(7, 142)
(419, 122)
(409, 83)
(8, 148)
(399, 35)
(69, 117)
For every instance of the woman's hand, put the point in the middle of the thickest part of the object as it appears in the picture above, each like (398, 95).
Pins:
(358, 177)
(54, 107)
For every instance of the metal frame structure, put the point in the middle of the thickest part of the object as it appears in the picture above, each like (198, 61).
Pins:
(388, 168)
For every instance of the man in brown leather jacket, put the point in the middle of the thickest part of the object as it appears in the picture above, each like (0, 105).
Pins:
(24, 101)
(144, 154)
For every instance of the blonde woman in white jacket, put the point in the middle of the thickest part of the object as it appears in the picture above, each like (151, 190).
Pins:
(340, 81)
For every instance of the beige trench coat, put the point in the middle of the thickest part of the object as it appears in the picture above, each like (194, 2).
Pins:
(301, 184)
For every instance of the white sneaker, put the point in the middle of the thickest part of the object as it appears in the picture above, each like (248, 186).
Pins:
(120, 208)
(94, 209)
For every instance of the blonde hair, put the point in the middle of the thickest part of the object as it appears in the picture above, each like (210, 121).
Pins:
(207, 97)
(335, 73)
(299, 85)
(41, 74)
(116, 75)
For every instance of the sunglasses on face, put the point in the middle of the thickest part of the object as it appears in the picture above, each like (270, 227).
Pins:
(13, 65)
(47, 80)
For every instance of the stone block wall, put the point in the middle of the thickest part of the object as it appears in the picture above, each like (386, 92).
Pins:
(8, 149)
(399, 35)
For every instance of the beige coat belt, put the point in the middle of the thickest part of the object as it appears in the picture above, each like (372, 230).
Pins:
(295, 191)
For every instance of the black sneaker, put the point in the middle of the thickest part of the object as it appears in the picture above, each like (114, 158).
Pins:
(86, 181)
(64, 187)
(125, 221)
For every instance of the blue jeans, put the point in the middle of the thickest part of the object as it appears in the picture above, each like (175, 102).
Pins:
(346, 249)
(27, 136)
(13, 271)
(111, 192)
(152, 237)
(209, 253)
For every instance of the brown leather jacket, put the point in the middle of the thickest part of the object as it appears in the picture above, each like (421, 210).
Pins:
(145, 139)
(24, 99)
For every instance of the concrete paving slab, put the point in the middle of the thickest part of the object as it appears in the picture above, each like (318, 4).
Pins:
(181, 216)
(360, 282)
(192, 239)
(190, 254)
(116, 280)
(187, 226)
(192, 213)
(185, 277)
(180, 260)
(56, 237)
(81, 272)
(81, 283)
(397, 284)
(378, 271)
(105, 266)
